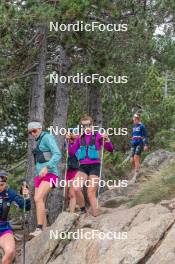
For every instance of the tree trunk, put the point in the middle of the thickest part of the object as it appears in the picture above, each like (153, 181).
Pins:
(95, 111)
(62, 98)
(36, 109)
(95, 105)
(55, 200)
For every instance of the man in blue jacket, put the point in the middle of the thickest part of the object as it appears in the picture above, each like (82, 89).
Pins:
(46, 156)
(7, 197)
(139, 142)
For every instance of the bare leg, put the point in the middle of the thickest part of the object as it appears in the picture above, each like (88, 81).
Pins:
(7, 243)
(133, 162)
(137, 162)
(78, 182)
(92, 189)
(66, 195)
(40, 199)
(45, 219)
(72, 202)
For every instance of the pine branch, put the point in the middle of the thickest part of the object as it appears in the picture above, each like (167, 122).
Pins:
(16, 166)
(30, 68)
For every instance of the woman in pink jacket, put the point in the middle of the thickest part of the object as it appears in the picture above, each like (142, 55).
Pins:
(88, 145)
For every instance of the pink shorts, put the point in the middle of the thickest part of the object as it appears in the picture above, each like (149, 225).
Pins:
(6, 232)
(50, 177)
(70, 174)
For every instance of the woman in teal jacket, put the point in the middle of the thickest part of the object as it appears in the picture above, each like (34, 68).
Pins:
(46, 156)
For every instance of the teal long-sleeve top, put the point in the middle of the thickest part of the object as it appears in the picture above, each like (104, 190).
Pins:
(48, 144)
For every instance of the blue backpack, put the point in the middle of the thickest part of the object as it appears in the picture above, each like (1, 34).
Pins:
(88, 151)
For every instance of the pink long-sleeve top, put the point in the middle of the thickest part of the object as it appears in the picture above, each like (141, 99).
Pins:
(98, 143)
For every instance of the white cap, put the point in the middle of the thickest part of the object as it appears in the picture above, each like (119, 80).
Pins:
(136, 115)
(34, 125)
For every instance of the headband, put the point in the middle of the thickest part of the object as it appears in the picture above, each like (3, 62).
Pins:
(3, 174)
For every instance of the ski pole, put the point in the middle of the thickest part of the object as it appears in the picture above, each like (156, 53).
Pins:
(101, 166)
(66, 167)
(24, 220)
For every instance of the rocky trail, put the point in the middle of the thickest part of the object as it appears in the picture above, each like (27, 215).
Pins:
(150, 233)
(144, 234)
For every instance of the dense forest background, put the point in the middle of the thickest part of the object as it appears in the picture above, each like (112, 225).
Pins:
(29, 52)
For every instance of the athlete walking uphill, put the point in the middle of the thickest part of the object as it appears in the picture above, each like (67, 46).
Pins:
(72, 170)
(88, 146)
(139, 142)
(7, 197)
(46, 156)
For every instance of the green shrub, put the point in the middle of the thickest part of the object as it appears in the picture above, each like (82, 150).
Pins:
(160, 186)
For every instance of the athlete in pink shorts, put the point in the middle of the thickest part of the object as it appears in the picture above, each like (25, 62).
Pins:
(73, 165)
(46, 157)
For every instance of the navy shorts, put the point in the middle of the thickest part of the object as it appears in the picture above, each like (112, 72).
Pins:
(136, 150)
